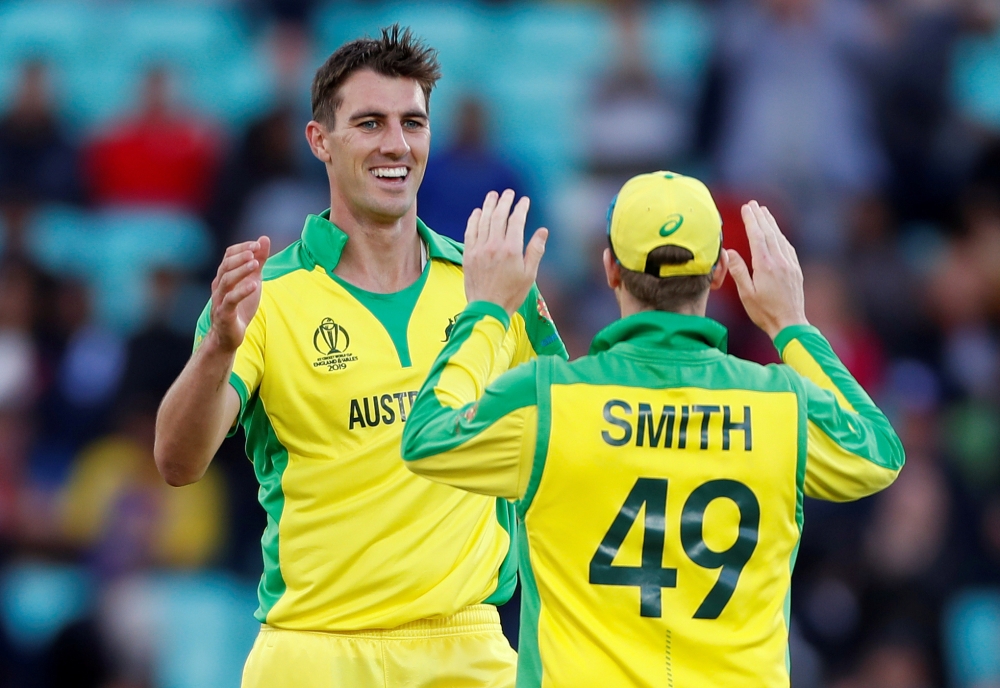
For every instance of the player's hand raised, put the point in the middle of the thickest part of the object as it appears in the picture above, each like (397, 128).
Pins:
(773, 296)
(496, 270)
(236, 292)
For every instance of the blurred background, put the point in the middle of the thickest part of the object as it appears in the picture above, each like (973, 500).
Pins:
(138, 139)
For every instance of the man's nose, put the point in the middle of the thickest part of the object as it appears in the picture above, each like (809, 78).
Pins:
(394, 142)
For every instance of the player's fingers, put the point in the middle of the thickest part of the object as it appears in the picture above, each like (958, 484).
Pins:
(472, 228)
(533, 254)
(515, 225)
(263, 249)
(766, 230)
(238, 293)
(740, 273)
(780, 241)
(237, 260)
(489, 206)
(229, 280)
(498, 223)
(755, 236)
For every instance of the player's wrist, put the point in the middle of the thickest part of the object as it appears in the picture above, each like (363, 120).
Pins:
(217, 345)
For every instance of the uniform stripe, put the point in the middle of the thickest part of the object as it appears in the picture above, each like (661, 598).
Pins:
(795, 355)
(529, 661)
(270, 459)
(842, 475)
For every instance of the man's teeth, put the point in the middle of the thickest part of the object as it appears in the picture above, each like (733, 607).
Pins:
(389, 171)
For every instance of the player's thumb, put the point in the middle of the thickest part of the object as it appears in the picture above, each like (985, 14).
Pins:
(741, 273)
(533, 254)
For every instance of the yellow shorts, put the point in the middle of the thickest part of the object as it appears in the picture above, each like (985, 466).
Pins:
(466, 650)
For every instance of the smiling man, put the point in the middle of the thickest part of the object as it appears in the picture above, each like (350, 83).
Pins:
(372, 576)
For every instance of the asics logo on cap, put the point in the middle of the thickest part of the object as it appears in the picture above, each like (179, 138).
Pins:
(672, 224)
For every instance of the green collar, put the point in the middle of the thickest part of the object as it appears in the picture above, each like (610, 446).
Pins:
(662, 330)
(325, 241)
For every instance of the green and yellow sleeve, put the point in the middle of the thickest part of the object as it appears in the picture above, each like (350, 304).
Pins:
(852, 450)
(539, 336)
(248, 368)
(465, 434)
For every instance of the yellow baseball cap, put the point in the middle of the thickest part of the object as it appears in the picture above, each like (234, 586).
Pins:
(664, 208)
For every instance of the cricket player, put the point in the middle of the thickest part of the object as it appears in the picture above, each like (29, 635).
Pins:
(372, 576)
(659, 480)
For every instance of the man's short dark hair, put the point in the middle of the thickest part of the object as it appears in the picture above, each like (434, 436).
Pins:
(665, 293)
(396, 53)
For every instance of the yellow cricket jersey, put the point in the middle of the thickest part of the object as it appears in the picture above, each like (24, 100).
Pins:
(327, 376)
(660, 484)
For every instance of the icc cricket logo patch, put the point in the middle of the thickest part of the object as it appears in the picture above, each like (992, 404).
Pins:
(332, 342)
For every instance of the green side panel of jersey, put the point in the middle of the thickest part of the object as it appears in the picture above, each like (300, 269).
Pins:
(538, 324)
(507, 577)
(270, 459)
(529, 660)
(392, 310)
(543, 393)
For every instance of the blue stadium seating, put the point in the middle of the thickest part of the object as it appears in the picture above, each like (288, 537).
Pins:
(38, 599)
(115, 252)
(976, 79)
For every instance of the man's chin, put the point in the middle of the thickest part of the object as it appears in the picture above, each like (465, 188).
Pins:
(387, 210)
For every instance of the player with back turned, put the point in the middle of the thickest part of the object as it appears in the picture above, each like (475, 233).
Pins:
(659, 480)
(372, 576)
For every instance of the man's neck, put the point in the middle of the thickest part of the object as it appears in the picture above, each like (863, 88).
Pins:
(380, 257)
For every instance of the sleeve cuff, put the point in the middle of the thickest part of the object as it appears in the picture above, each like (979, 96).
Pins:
(792, 332)
(241, 390)
(491, 309)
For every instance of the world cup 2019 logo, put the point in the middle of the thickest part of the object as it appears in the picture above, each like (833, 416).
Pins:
(330, 338)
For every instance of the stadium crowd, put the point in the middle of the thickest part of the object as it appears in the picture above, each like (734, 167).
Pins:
(870, 127)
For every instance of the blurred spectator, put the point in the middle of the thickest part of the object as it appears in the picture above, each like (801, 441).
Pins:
(458, 178)
(829, 307)
(268, 185)
(633, 123)
(116, 507)
(160, 156)
(87, 361)
(37, 162)
(19, 379)
(925, 144)
(795, 118)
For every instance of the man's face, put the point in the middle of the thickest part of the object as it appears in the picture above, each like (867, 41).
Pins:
(378, 146)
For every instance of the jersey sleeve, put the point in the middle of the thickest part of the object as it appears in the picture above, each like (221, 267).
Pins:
(539, 336)
(463, 433)
(852, 450)
(248, 368)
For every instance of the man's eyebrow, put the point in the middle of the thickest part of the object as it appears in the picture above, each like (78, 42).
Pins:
(368, 113)
(378, 114)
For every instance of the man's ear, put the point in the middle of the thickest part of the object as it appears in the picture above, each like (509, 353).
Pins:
(720, 270)
(316, 135)
(612, 270)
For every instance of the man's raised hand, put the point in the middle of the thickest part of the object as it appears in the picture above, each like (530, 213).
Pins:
(773, 296)
(496, 270)
(236, 292)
